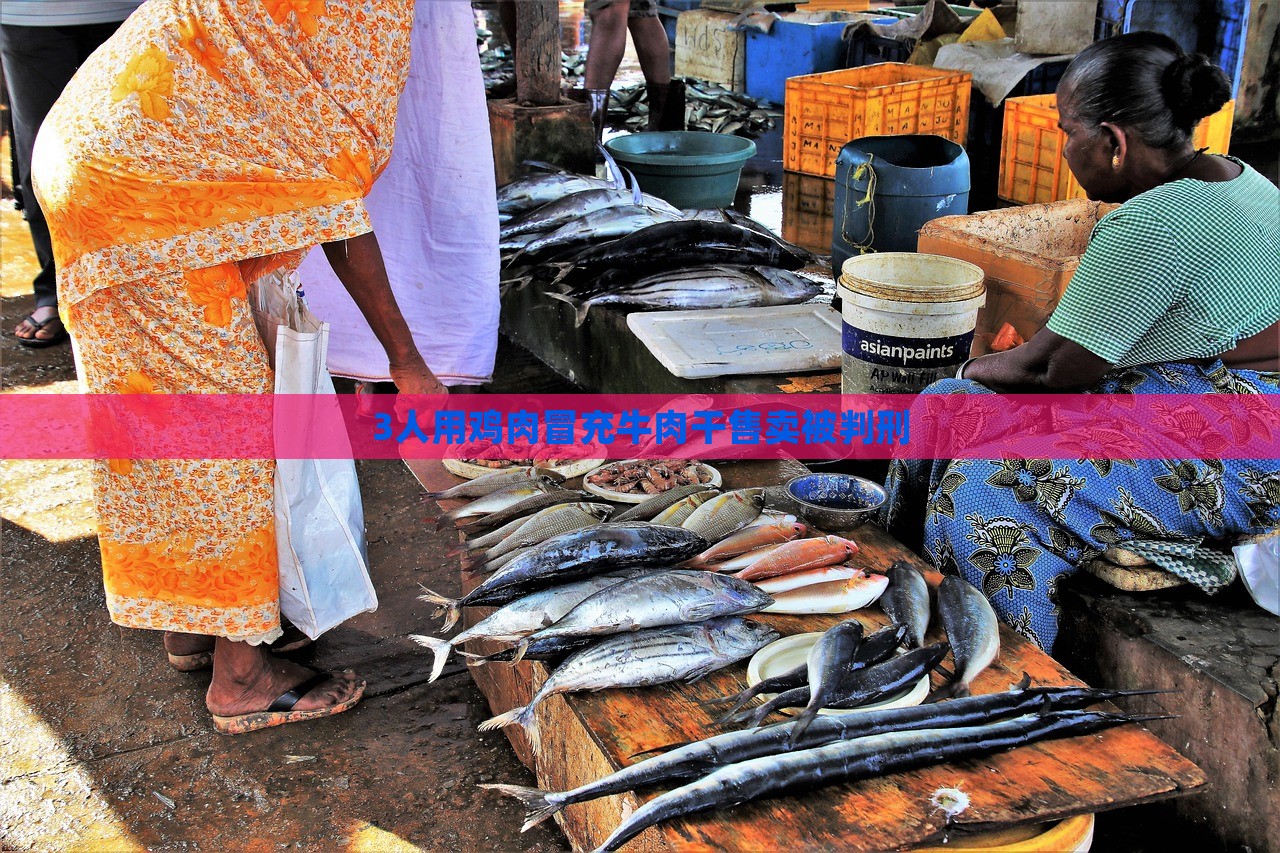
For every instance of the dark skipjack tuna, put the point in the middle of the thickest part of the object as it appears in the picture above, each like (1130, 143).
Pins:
(851, 760)
(702, 757)
(592, 550)
(906, 601)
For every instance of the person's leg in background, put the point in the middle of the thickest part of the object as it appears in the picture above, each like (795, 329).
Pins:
(604, 55)
(666, 99)
(38, 64)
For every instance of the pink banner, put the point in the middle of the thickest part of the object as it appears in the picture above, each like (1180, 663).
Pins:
(808, 427)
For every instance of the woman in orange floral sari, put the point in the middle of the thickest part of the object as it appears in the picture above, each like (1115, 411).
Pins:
(207, 143)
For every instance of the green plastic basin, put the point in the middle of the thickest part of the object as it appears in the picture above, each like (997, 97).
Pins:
(688, 168)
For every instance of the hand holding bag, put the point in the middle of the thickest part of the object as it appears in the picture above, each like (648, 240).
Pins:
(324, 571)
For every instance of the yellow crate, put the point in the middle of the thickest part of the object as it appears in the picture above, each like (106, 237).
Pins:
(808, 211)
(1032, 168)
(707, 49)
(825, 111)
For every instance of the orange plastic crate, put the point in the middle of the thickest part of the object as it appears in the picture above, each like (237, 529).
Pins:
(808, 211)
(826, 111)
(1032, 168)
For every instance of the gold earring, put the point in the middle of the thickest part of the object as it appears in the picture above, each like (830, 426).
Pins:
(1115, 160)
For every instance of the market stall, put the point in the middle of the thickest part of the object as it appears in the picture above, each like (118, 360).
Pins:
(585, 736)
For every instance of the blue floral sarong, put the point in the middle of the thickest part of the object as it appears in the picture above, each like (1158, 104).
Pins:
(1015, 528)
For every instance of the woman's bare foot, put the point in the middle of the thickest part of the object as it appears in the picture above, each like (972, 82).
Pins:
(187, 644)
(247, 679)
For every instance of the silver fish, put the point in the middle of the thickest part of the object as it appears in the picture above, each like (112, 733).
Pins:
(705, 287)
(656, 504)
(567, 209)
(654, 600)
(549, 522)
(528, 506)
(726, 513)
(489, 483)
(906, 601)
(972, 629)
(602, 224)
(503, 498)
(521, 617)
(531, 192)
(645, 658)
(676, 514)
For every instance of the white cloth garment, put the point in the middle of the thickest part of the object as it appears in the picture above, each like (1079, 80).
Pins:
(435, 212)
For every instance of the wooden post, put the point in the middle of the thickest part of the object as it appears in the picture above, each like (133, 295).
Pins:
(537, 53)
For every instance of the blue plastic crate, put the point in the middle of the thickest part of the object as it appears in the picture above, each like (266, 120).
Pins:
(790, 49)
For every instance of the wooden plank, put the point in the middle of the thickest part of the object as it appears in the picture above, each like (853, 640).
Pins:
(587, 735)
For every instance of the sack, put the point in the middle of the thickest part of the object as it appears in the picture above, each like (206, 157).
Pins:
(324, 571)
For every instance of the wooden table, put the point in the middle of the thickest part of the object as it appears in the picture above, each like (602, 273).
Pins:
(586, 736)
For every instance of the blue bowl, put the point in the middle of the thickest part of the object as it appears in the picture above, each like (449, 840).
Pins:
(836, 501)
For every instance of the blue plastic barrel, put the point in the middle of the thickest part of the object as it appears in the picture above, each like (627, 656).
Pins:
(889, 186)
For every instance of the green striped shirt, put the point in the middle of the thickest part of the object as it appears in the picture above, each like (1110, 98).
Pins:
(1184, 270)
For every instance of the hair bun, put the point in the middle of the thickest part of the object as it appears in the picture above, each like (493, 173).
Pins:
(1194, 88)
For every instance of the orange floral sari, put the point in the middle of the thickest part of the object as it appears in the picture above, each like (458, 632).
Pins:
(207, 143)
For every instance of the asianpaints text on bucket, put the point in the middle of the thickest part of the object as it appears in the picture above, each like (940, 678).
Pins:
(907, 320)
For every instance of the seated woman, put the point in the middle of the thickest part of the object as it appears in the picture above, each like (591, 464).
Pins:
(1177, 293)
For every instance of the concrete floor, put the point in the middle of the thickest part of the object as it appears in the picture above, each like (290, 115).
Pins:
(104, 747)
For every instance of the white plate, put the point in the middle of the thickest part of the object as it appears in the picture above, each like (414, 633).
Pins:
(732, 341)
(626, 498)
(784, 655)
(470, 471)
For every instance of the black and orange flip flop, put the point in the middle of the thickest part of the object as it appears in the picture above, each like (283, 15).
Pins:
(41, 343)
(280, 712)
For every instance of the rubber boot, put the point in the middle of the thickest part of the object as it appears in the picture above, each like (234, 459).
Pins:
(598, 99)
(666, 106)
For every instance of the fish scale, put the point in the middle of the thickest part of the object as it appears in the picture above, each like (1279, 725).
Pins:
(527, 506)
(649, 508)
(722, 515)
(552, 521)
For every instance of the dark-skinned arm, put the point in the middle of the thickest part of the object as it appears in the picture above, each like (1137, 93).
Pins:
(359, 266)
(1048, 363)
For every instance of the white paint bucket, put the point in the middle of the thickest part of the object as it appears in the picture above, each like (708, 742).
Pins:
(907, 320)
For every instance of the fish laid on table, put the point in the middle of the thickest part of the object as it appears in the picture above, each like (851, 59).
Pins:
(597, 226)
(546, 649)
(850, 760)
(495, 537)
(863, 686)
(581, 553)
(743, 561)
(830, 658)
(972, 629)
(672, 245)
(725, 514)
(528, 506)
(533, 191)
(748, 539)
(552, 521)
(705, 756)
(906, 601)
(656, 504)
(503, 498)
(521, 617)
(653, 600)
(489, 483)
(701, 287)
(645, 658)
(679, 512)
(801, 555)
(838, 596)
(567, 209)
(812, 577)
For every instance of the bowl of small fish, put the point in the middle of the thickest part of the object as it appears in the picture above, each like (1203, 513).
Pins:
(835, 501)
(637, 480)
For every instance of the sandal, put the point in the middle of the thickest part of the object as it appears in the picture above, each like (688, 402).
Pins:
(280, 712)
(291, 641)
(40, 343)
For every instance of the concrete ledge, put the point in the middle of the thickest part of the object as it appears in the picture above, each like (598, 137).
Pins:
(1222, 656)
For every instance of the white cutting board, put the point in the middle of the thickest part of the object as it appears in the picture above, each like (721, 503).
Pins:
(732, 341)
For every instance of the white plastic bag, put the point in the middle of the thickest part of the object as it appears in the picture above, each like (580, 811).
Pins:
(324, 570)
